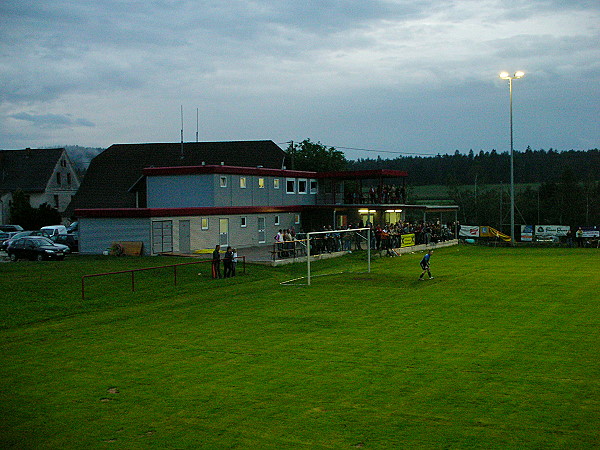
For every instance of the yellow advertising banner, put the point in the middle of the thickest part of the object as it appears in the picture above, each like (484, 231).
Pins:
(408, 240)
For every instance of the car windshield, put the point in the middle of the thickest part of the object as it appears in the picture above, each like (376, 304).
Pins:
(42, 241)
(20, 234)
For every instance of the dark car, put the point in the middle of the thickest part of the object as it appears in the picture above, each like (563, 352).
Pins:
(36, 248)
(67, 239)
(11, 228)
(15, 236)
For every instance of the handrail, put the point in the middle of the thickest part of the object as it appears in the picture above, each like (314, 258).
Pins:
(133, 271)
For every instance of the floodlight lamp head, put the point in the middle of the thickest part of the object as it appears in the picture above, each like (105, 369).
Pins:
(519, 74)
(504, 75)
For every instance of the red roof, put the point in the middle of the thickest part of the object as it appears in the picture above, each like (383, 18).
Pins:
(218, 169)
(179, 212)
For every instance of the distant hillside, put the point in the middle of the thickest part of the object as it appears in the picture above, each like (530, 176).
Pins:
(81, 156)
(531, 166)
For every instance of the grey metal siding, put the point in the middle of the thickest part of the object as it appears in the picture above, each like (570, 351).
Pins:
(181, 191)
(97, 235)
(185, 191)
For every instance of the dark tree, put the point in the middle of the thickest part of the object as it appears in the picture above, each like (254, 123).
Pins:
(315, 157)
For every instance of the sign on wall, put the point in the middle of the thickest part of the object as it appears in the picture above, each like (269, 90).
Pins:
(526, 233)
(408, 240)
(469, 231)
(551, 230)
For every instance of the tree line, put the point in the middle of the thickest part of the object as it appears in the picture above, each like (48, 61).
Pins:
(561, 188)
(531, 166)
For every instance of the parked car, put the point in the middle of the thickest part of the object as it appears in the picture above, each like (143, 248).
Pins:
(4, 237)
(36, 248)
(12, 236)
(11, 228)
(73, 228)
(68, 240)
(53, 230)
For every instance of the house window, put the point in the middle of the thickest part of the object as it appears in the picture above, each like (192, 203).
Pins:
(56, 201)
(69, 178)
(223, 182)
(204, 223)
(314, 186)
(261, 183)
(243, 182)
(276, 220)
(243, 222)
(297, 219)
(302, 186)
(290, 186)
(58, 179)
(275, 183)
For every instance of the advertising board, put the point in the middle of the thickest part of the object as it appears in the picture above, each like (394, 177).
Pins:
(551, 230)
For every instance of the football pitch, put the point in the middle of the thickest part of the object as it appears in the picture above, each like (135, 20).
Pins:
(499, 350)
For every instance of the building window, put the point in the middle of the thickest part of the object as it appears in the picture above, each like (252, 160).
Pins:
(276, 220)
(223, 182)
(56, 202)
(314, 186)
(243, 182)
(69, 178)
(243, 222)
(275, 183)
(261, 183)
(297, 219)
(302, 186)
(58, 179)
(290, 186)
(204, 223)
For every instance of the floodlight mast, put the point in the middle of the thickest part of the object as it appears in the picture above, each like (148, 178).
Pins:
(510, 78)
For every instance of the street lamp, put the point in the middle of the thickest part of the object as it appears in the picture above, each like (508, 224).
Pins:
(510, 78)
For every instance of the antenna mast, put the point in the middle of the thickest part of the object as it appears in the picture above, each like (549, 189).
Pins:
(181, 155)
(197, 124)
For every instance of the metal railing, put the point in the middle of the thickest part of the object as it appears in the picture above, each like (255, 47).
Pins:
(134, 271)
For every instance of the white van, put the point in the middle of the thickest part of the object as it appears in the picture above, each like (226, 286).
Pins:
(53, 230)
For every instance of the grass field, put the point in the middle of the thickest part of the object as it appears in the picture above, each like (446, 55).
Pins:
(500, 350)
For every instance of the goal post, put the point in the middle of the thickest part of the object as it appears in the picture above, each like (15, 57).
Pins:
(334, 233)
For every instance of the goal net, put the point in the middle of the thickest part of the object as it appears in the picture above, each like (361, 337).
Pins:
(320, 244)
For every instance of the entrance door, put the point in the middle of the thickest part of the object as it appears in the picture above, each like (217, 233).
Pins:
(162, 236)
(224, 232)
(262, 235)
(184, 236)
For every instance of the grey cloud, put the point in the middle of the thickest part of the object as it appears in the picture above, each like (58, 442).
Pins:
(54, 121)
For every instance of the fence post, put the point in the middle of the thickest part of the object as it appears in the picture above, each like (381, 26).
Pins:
(132, 281)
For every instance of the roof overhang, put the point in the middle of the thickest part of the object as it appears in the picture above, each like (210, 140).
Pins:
(226, 170)
(111, 213)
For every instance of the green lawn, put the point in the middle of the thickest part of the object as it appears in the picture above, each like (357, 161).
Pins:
(500, 350)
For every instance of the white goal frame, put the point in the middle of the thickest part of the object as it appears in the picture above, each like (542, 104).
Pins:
(313, 233)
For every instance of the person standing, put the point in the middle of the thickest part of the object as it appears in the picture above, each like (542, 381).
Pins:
(579, 236)
(234, 262)
(228, 263)
(425, 262)
(216, 262)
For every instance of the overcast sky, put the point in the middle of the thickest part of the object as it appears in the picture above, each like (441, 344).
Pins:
(388, 75)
